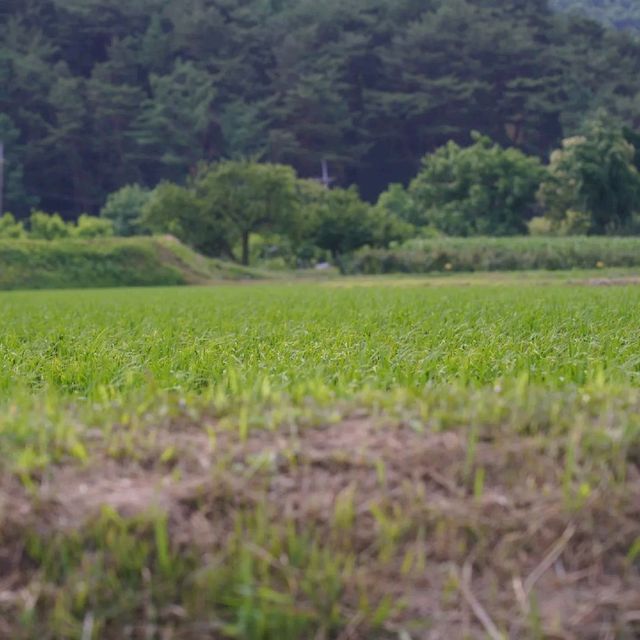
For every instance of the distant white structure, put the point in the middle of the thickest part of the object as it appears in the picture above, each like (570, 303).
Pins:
(325, 179)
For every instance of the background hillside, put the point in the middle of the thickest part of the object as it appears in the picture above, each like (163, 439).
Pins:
(95, 94)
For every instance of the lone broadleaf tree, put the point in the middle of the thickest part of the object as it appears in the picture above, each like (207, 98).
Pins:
(250, 197)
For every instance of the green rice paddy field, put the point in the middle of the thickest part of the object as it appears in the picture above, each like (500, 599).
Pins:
(382, 458)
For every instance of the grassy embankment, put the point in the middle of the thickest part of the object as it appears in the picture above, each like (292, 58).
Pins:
(111, 262)
(305, 461)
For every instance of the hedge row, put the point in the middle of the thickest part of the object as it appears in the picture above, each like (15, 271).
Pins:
(497, 254)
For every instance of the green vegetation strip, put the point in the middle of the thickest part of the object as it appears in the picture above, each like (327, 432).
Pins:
(309, 340)
(295, 461)
(497, 254)
(108, 262)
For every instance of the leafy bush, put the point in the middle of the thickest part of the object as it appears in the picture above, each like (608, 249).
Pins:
(482, 189)
(47, 227)
(574, 223)
(272, 250)
(397, 201)
(92, 227)
(124, 209)
(10, 228)
(43, 226)
(591, 184)
(341, 222)
(497, 254)
(180, 212)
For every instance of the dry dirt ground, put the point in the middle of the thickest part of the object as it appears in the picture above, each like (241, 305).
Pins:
(503, 552)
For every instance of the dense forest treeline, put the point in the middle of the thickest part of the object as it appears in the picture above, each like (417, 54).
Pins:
(620, 14)
(96, 94)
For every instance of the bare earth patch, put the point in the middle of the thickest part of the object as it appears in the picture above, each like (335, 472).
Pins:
(483, 545)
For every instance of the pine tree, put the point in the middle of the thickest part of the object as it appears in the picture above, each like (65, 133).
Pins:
(177, 128)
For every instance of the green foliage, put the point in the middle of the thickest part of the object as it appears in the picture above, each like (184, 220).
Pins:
(540, 226)
(43, 226)
(388, 228)
(498, 254)
(574, 223)
(124, 209)
(478, 190)
(32, 264)
(93, 99)
(274, 251)
(594, 175)
(180, 212)
(247, 197)
(309, 340)
(621, 14)
(10, 228)
(15, 196)
(633, 138)
(228, 202)
(92, 227)
(342, 222)
(225, 204)
(397, 201)
(47, 227)
(176, 122)
(106, 262)
(229, 414)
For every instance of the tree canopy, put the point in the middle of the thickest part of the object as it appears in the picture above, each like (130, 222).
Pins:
(98, 94)
(620, 14)
(593, 175)
(482, 189)
(225, 204)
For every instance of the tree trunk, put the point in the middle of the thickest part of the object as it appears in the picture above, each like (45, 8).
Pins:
(245, 248)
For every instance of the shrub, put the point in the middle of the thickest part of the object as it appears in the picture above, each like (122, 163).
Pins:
(482, 189)
(124, 209)
(178, 211)
(10, 228)
(92, 227)
(540, 226)
(341, 222)
(497, 254)
(48, 227)
(592, 184)
(574, 223)
(397, 201)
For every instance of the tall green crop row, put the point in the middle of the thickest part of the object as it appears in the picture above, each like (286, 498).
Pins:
(301, 339)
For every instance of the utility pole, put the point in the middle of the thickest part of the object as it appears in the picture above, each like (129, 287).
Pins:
(1, 175)
(325, 179)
